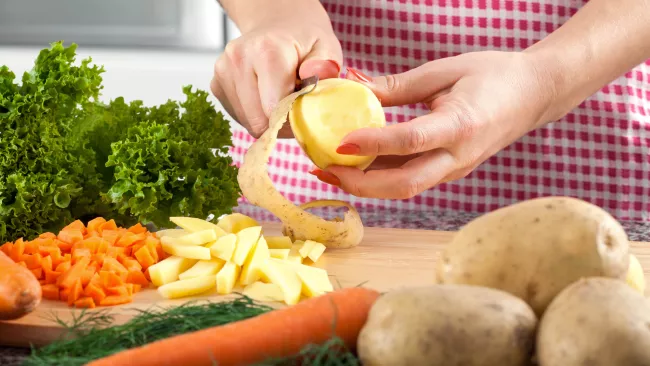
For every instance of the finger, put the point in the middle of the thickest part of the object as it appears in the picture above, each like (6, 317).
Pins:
(223, 88)
(276, 77)
(324, 60)
(248, 95)
(435, 130)
(404, 182)
(413, 86)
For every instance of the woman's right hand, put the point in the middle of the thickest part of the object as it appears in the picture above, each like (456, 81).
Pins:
(261, 67)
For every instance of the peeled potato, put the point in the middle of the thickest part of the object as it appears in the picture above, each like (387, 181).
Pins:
(321, 119)
(298, 224)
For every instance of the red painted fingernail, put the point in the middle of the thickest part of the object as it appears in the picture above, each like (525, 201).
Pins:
(329, 178)
(315, 171)
(338, 66)
(358, 74)
(348, 149)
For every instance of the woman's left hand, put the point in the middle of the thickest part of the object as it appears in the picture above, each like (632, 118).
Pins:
(480, 103)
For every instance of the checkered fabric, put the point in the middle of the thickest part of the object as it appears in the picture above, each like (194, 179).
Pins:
(599, 152)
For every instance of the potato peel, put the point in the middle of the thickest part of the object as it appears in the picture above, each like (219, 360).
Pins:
(298, 224)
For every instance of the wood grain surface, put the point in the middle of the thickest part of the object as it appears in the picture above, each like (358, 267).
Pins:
(386, 259)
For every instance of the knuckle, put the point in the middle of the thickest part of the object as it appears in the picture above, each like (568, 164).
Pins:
(414, 141)
(392, 83)
(236, 53)
(465, 120)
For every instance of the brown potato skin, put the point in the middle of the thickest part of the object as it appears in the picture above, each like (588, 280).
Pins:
(535, 248)
(448, 325)
(596, 322)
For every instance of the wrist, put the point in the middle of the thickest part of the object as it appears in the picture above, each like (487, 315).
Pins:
(273, 12)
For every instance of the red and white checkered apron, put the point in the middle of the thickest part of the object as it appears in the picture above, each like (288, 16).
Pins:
(600, 152)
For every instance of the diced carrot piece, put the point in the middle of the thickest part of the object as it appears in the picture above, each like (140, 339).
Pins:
(122, 257)
(99, 258)
(42, 282)
(50, 291)
(7, 248)
(132, 265)
(31, 247)
(21, 263)
(137, 288)
(118, 290)
(67, 257)
(47, 236)
(64, 246)
(76, 225)
(92, 234)
(103, 246)
(137, 277)
(115, 300)
(114, 252)
(138, 229)
(110, 279)
(46, 263)
(86, 277)
(129, 238)
(75, 292)
(111, 264)
(63, 294)
(91, 243)
(17, 250)
(38, 272)
(80, 253)
(51, 276)
(34, 261)
(152, 250)
(111, 236)
(68, 278)
(52, 251)
(85, 302)
(71, 236)
(137, 246)
(144, 257)
(108, 225)
(96, 223)
(63, 267)
(146, 275)
(95, 291)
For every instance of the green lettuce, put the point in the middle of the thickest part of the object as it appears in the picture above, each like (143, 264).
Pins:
(66, 156)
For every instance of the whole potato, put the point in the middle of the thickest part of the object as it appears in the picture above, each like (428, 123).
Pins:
(535, 248)
(596, 322)
(448, 325)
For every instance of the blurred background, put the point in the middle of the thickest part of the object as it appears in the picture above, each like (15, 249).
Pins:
(149, 48)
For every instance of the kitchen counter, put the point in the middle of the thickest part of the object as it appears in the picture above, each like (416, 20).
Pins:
(431, 220)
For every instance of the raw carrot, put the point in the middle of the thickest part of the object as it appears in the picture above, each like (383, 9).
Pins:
(89, 266)
(20, 291)
(278, 333)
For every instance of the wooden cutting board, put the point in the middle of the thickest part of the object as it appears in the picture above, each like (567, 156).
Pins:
(386, 259)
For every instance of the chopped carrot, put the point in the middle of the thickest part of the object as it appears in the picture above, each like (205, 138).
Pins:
(341, 313)
(50, 291)
(17, 250)
(63, 266)
(69, 277)
(51, 276)
(47, 236)
(46, 263)
(71, 236)
(115, 300)
(38, 272)
(7, 248)
(144, 257)
(34, 261)
(96, 223)
(100, 264)
(76, 225)
(75, 292)
(138, 229)
(137, 277)
(85, 302)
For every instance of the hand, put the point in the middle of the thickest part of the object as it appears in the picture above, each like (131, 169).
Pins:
(480, 103)
(260, 68)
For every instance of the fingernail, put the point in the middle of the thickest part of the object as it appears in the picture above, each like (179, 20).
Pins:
(348, 149)
(338, 66)
(326, 177)
(358, 74)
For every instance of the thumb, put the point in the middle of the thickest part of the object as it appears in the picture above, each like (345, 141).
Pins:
(324, 60)
(413, 86)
